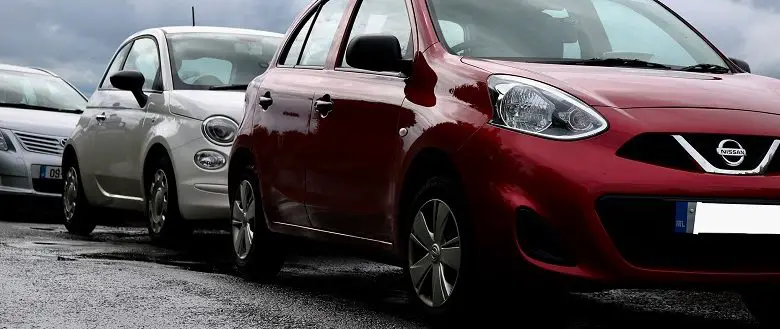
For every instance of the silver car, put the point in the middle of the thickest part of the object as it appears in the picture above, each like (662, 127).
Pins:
(38, 111)
(155, 134)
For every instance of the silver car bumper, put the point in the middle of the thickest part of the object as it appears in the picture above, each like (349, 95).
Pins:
(203, 194)
(20, 171)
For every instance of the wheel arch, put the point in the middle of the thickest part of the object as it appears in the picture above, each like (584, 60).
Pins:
(240, 158)
(428, 162)
(155, 151)
(69, 156)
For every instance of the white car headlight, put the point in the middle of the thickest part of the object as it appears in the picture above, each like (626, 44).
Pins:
(536, 108)
(220, 130)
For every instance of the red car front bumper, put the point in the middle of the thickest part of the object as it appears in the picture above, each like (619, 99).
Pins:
(607, 216)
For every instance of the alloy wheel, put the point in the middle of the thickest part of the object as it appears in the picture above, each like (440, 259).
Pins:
(158, 201)
(70, 193)
(434, 253)
(243, 219)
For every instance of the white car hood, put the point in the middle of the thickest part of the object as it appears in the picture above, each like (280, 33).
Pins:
(201, 104)
(59, 124)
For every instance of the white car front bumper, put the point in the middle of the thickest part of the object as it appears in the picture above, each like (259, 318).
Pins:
(203, 194)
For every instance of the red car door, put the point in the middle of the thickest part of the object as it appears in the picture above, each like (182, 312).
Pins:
(354, 141)
(281, 124)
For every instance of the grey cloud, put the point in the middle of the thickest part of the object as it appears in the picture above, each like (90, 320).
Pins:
(76, 38)
(745, 29)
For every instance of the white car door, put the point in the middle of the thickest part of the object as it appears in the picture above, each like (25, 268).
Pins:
(118, 143)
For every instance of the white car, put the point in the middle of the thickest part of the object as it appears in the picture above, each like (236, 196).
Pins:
(155, 134)
(38, 111)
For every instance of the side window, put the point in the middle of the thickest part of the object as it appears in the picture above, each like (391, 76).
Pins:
(116, 65)
(643, 40)
(297, 45)
(452, 32)
(383, 17)
(321, 37)
(144, 58)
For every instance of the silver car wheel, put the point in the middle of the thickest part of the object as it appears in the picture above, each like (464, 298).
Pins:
(243, 219)
(434, 255)
(158, 201)
(70, 193)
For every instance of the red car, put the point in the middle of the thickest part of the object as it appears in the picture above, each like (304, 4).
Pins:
(597, 143)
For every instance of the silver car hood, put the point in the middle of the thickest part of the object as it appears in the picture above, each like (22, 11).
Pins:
(59, 124)
(201, 104)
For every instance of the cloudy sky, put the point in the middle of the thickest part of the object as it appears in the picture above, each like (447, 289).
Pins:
(76, 38)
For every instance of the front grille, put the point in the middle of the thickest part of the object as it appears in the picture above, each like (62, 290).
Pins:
(643, 231)
(658, 149)
(669, 150)
(48, 185)
(38, 143)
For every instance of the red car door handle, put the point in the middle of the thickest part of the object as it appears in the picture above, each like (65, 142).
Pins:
(323, 106)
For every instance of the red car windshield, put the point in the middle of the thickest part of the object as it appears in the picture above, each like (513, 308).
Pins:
(570, 29)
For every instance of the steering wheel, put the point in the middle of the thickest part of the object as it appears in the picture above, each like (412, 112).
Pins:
(469, 45)
(208, 80)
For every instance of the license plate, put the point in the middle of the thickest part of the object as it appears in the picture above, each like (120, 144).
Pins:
(727, 218)
(50, 172)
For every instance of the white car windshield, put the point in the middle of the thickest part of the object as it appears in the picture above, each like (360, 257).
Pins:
(215, 60)
(565, 30)
(38, 91)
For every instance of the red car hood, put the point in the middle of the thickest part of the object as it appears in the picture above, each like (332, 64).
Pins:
(637, 88)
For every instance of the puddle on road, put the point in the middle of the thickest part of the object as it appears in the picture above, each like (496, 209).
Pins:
(49, 229)
(183, 262)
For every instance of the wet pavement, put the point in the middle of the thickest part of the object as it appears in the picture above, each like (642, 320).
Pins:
(116, 278)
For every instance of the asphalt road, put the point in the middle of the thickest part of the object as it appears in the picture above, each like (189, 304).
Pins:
(116, 278)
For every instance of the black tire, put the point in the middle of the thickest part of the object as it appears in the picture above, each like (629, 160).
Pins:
(464, 287)
(164, 221)
(265, 256)
(475, 292)
(763, 305)
(78, 214)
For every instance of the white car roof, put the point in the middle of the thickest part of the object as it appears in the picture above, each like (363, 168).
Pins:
(207, 29)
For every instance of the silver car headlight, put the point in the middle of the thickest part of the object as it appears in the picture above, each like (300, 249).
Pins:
(220, 130)
(5, 142)
(539, 109)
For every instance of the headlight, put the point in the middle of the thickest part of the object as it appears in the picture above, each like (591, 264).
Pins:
(210, 160)
(5, 142)
(220, 130)
(536, 108)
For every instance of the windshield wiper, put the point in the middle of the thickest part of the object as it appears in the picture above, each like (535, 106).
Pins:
(618, 62)
(229, 87)
(40, 108)
(706, 68)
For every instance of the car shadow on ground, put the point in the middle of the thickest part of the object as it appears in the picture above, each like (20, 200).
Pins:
(313, 269)
(323, 271)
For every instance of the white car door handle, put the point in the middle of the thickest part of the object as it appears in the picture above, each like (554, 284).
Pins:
(101, 117)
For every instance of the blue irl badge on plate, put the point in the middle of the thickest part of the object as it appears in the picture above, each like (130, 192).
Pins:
(681, 217)
(685, 213)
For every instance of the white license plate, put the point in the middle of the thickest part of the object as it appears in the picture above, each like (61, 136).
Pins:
(725, 218)
(49, 172)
